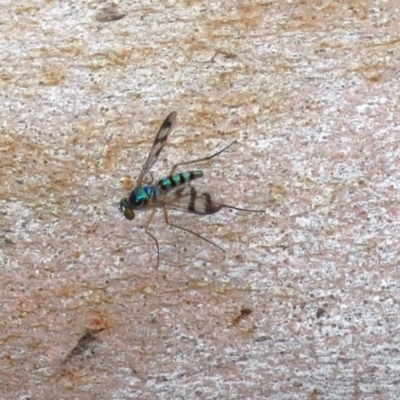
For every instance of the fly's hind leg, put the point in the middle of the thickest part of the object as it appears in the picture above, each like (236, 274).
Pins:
(188, 230)
(200, 160)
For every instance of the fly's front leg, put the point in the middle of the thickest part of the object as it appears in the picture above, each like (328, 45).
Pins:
(146, 229)
(151, 180)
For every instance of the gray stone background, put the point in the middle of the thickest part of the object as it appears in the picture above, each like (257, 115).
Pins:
(304, 304)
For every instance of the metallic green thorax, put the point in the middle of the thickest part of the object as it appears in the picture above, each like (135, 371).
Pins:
(143, 195)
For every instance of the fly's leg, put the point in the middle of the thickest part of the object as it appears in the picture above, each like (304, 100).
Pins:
(153, 213)
(200, 160)
(188, 230)
(149, 181)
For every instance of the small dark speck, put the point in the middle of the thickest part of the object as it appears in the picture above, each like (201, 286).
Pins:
(320, 312)
(109, 14)
(8, 240)
(244, 312)
(85, 341)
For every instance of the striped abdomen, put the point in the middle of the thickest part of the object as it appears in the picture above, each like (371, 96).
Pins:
(176, 180)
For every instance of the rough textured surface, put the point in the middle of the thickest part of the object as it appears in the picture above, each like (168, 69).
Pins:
(305, 302)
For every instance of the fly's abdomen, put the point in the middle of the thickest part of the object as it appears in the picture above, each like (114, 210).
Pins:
(173, 181)
(141, 196)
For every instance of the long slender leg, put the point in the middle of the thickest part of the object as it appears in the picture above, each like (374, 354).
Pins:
(200, 159)
(151, 180)
(153, 213)
(188, 230)
(241, 209)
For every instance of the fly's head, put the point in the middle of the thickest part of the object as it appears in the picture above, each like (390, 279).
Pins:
(124, 207)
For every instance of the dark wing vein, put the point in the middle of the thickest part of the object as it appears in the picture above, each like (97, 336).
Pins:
(159, 142)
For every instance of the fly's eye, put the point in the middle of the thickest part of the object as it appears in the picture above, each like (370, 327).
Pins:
(129, 214)
(124, 207)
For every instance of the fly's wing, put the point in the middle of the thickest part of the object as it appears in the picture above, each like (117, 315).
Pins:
(192, 199)
(159, 142)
